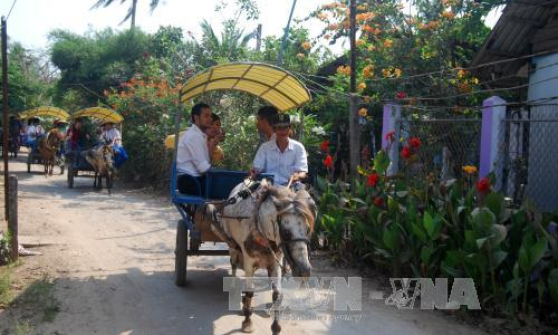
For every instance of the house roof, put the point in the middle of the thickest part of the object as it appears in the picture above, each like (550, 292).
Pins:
(526, 27)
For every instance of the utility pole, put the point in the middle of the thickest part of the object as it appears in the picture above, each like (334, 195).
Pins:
(259, 37)
(134, 6)
(5, 98)
(285, 36)
(353, 101)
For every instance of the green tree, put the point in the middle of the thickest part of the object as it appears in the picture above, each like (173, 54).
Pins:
(92, 63)
(30, 79)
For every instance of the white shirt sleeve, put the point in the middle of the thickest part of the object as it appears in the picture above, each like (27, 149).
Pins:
(197, 152)
(259, 159)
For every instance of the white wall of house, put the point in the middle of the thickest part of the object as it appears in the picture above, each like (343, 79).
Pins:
(542, 182)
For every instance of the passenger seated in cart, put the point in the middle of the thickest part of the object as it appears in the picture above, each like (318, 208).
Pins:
(193, 160)
(215, 135)
(34, 133)
(111, 136)
(265, 117)
(283, 157)
(75, 135)
(62, 128)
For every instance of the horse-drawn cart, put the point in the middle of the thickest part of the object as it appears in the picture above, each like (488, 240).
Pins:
(34, 156)
(271, 84)
(76, 161)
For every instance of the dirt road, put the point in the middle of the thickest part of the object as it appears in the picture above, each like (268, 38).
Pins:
(111, 260)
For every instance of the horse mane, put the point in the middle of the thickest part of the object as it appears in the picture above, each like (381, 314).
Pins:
(287, 201)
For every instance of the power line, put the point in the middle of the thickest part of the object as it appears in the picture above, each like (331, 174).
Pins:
(10, 12)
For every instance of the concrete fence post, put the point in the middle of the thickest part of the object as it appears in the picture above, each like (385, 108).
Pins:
(493, 114)
(392, 114)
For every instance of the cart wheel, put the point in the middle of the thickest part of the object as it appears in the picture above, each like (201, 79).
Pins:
(70, 176)
(181, 254)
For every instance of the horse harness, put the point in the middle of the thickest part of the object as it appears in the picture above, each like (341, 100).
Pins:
(263, 240)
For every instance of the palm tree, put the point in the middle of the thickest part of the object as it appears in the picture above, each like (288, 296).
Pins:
(131, 12)
(230, 46)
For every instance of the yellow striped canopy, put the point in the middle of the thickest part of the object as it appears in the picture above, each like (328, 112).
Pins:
(270, 83)
(99, 113)
(45, 111)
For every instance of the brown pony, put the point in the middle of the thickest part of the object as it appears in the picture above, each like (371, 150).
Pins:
(48, 147)
(102, 159)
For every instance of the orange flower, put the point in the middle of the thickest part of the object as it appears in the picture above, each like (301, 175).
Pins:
(371, 47)
(367, 71)
(361, 86)
(461, 73)
(333, 26)
(433, 25)
(306, 45)
(388, 43)
(363, 112)
(386, 73)
(367, 28)
(323, 16)
(448, 15)
(397, 72)
(360, 43)
(300, 56)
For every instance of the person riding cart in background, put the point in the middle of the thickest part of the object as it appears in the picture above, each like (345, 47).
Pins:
(283, 157)
(34, 132)
(193, 159)
(111, 135)
(14, 129)
(62, 128)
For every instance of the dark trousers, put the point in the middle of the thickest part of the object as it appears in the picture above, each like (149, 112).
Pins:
(187, 185)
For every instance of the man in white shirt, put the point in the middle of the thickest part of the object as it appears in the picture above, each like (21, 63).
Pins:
(34, 132)
(193, 159)
(283, 157)
(111, 135)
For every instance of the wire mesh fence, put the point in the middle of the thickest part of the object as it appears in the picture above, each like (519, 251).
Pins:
(527, 164)
(448, 144)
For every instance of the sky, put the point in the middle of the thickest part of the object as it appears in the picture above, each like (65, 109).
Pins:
(32, 20)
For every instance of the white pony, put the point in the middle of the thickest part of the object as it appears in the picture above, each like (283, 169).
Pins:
(263, 228)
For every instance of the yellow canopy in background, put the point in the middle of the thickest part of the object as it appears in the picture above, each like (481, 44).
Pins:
(169, 141)
(99, 113)
(270, 83)
(45, 111)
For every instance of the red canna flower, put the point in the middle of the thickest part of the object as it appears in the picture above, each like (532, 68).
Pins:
(406, 153)
(390, 136)
(324, 146)
(415, 142)
(483, 186)
(401, 95)
(328, 162)
(378, 202)
(372, 180)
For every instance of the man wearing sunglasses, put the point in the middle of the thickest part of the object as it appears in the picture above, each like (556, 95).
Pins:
(282, 156)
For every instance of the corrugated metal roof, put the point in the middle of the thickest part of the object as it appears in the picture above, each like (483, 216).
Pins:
(512, 37)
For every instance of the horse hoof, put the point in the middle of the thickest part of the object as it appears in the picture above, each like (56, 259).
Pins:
(247, 326)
